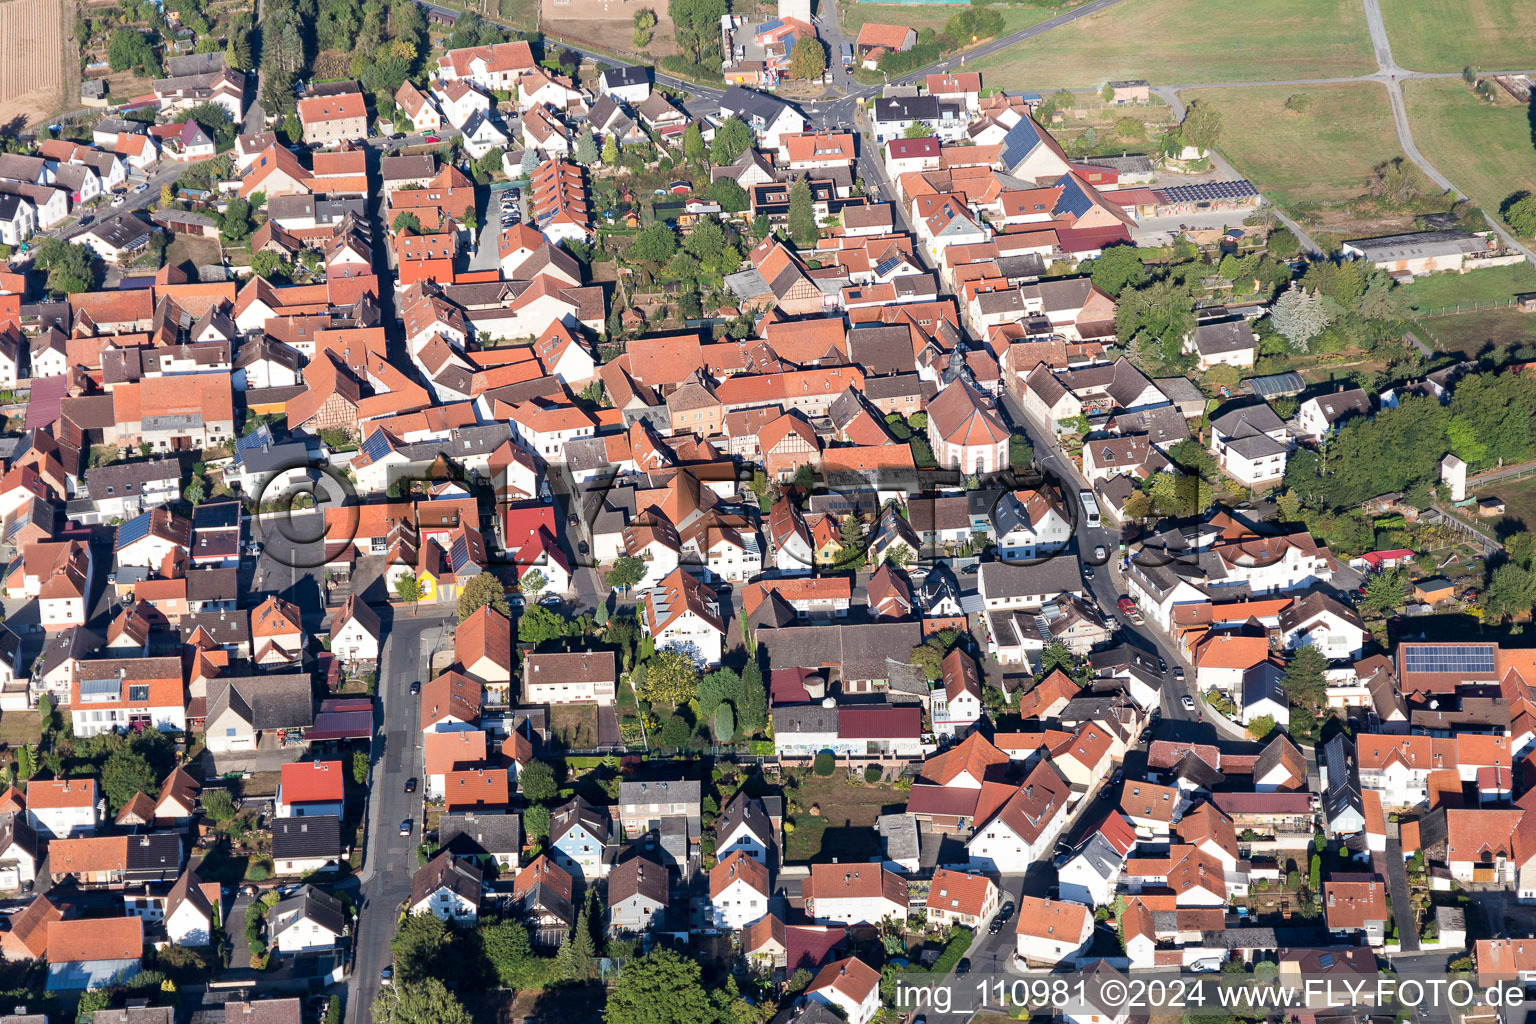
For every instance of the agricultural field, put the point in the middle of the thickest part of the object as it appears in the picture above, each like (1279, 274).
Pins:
(1447, 35)
(1469, 335)
(607, 24)
(1439, 292)
(855, 16)
(33, 80)
(1485, 149)
(1182, 42)
(1324, 153)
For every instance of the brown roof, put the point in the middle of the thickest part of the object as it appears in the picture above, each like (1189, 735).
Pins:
(87, 855)
(112, 938)
(738, 866)
(852, 978)
(452, 694)
(959, 892)
(1351, 905)
(637, 876)
(853, 881)
(1051, 919)
(487, 634)
(28, 930)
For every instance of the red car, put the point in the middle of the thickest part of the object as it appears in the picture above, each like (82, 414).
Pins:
(430, 138)
(1126, 606)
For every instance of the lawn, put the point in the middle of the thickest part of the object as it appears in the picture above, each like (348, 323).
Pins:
(18, 727)
(1519, 502)
(1180, 42)
(1324, 154)
(855, 16)
(845, 828)
(1484, 149)
(1447, 35)
(574, 725)
(1469, 335)
(1440, 291)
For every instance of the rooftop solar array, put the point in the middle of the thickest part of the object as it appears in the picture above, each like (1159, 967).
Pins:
(1464, 659)
(134, 529)
(376, 445)
(1240, 189)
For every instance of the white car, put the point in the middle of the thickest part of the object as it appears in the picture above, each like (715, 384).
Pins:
(118, 200)
(1188, 702)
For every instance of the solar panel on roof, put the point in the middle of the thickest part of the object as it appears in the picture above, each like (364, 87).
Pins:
(459, 554)
(261, 437)
(216, 515)
(1459, 658)
(134, 529)
(376, 445)
(887, 265)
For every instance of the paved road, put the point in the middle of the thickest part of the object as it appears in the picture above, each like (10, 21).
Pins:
(391, 858)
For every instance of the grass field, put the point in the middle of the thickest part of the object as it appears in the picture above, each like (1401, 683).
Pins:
(18, 727)
(1447, 35)
(1325, 154)
(1468, 335)
(575, 725)
(1485, 149)
(1180, 42)
(1519, 500)
(855, 16)
(1437, 291)
(845, 827)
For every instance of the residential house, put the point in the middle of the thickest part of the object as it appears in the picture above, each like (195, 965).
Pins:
(738, 891)
(309, 921)
(1051, 932)
(854, 893)
(448, 889)
(301, 846)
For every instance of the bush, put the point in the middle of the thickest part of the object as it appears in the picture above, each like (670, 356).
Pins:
(873, 773)
(825, 763)
(258, 871)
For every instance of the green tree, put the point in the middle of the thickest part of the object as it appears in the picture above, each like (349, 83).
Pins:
(626, 572)
(654, 245)
(694, 149)
(675, 731)
(1116, 269)
(71, 268)
(1521, 215)
(333, 1010)
(423, 1002)
(752, 708)
(930, 658)
(716, 688)
(732, 139)
(406, 223)
(610, 150)
(730, 195)
(659, 988)
(218, 805)
(586, 148)
(91, 1001)
(538, 625)
(268, 264)
(1055, 655)
(533, 583)
(1020, 452)
(802, 215)
(1260, 726)
(917, 130)
(808, 60)
(47, 716)
(1384, 591)
(1201, 126)
(422, 946)
(1511, 592)
(824, 764)
(1299, 315)
(408, 589)
(509, 952)
(360, 767)
(483, 589)
(237, 48)
(583, 950)
(671, 677)
(723, 724)
(26, 762)
(1307, 689)
(537, 781)
(124, 774)
(536, 821)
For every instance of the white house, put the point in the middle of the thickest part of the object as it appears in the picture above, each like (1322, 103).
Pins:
(306, 922)
(1030, 524)
(61, 808)
(1251, 444)
(1318, 620)
(19, 851)
(448, 889)
(355, 631)
(683, 614)
(854, 893)
(626, 83)
(769, 118)
(851, 986)
(1320, 415)
(738, 891)
(192, 910)
(1025, 829)
(958, 705)
(744, 827)
(308, 788)
(1051, 931)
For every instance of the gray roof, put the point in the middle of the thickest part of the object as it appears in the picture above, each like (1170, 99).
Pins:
(1059, 575)
(127, 478)
(1341, 794)
(749, 103)
(314, 835)
(1100, 855)
(672, 791)
(473, 834)
(266, 702)
(310, 904)
(1417, 245)
(121, 231)
(804, 718)
(900, 834)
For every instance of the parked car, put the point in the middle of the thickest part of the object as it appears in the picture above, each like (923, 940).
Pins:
(1188, 702)
(410, 785)
(415, 687)
(405, 827)
(431, 138)
(963, 967)
(387, 975)
(1178, 672)
(397, 136)
(1126, 606)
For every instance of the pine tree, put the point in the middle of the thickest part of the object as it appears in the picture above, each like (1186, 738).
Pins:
(583, 953)
(565, 960)
(802, 214)
(586, 149)
(752, 711)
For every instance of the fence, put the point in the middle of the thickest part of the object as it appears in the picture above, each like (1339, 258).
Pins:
(1464, 307)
